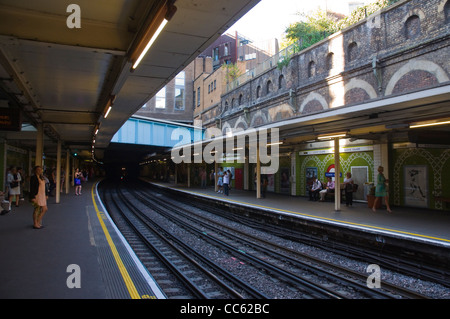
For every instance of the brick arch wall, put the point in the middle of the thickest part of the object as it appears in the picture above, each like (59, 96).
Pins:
(416, 74)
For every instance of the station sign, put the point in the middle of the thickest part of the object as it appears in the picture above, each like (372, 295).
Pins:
(331, 174)
(10, 119)
(345, 149)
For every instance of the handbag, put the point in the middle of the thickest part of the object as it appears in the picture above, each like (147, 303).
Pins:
(13, 184)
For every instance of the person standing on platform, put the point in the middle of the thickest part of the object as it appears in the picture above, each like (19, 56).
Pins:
(380, 190)
(14, 180)
(220, 180)
(226, 182)
(77, 182)
(38, 197)
(348, 187)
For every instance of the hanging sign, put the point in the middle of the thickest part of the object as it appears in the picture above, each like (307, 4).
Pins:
(10, 119)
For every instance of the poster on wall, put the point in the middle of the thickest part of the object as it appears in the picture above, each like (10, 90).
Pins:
(311, 172)
(416, 185)
(285, 186)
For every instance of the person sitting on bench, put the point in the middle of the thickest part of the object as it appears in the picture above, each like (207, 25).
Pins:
(316, 187)
(328, 189)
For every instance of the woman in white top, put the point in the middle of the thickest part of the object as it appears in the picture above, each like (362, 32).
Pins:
(14, 185)
(226, 182)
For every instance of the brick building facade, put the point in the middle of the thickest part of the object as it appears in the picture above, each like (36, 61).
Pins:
(400, 49)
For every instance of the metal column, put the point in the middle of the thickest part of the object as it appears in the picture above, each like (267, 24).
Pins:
(337, 174)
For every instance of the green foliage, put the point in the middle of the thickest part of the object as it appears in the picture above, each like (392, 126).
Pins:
(232, 72)
(319, 25)
(315, 28)
(362, 12)
(283, 62)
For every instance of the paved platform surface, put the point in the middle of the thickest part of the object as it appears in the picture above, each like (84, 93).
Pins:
(78, 246)
(421, 224)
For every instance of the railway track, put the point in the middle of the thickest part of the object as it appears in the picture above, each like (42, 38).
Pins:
(292, 261)
(165, 254)
(299, 274)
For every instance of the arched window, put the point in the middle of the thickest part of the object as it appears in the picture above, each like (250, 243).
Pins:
(232, 103)
(269, 87)
(447, 12)
(280, 81)
(412, 27)
(352, 51)
(311, 69)
(330, 61)
(240, 99)
(258, 91)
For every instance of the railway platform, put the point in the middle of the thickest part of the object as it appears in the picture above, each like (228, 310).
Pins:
(423, 225)
(77, 255)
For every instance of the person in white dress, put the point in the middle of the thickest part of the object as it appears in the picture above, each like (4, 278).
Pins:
(14, 180)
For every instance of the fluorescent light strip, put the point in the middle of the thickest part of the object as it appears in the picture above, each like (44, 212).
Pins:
(149, 44)
(331, 136)
(429, 124)
(275, 143)
(107, 112)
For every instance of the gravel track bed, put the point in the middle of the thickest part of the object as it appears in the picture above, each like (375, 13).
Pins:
(427, 288)
(257, 279)
(266, 283)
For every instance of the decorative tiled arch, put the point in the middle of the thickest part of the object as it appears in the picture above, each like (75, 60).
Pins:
(321, 164)
(436, 163)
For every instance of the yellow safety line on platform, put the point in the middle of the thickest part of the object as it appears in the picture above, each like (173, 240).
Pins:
(326, 218)
(126, 277)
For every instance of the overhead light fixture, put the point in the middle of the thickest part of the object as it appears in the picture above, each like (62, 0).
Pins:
(275, 143)
(428, 123)
(154, 28)
(109, 105)
(107, 112)
(334, 135)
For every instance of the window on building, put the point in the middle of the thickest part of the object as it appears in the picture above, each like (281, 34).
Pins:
(161, 99)
(250, 56)
(179, 91)
(215, 54)
(447, 11)
(214, 84)
(311, 69)
(269, 87)
(280, 81)
(198, 97)
(412, 26)
(352, 52)
(330, 61)
(258, 91)
(226, 50)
